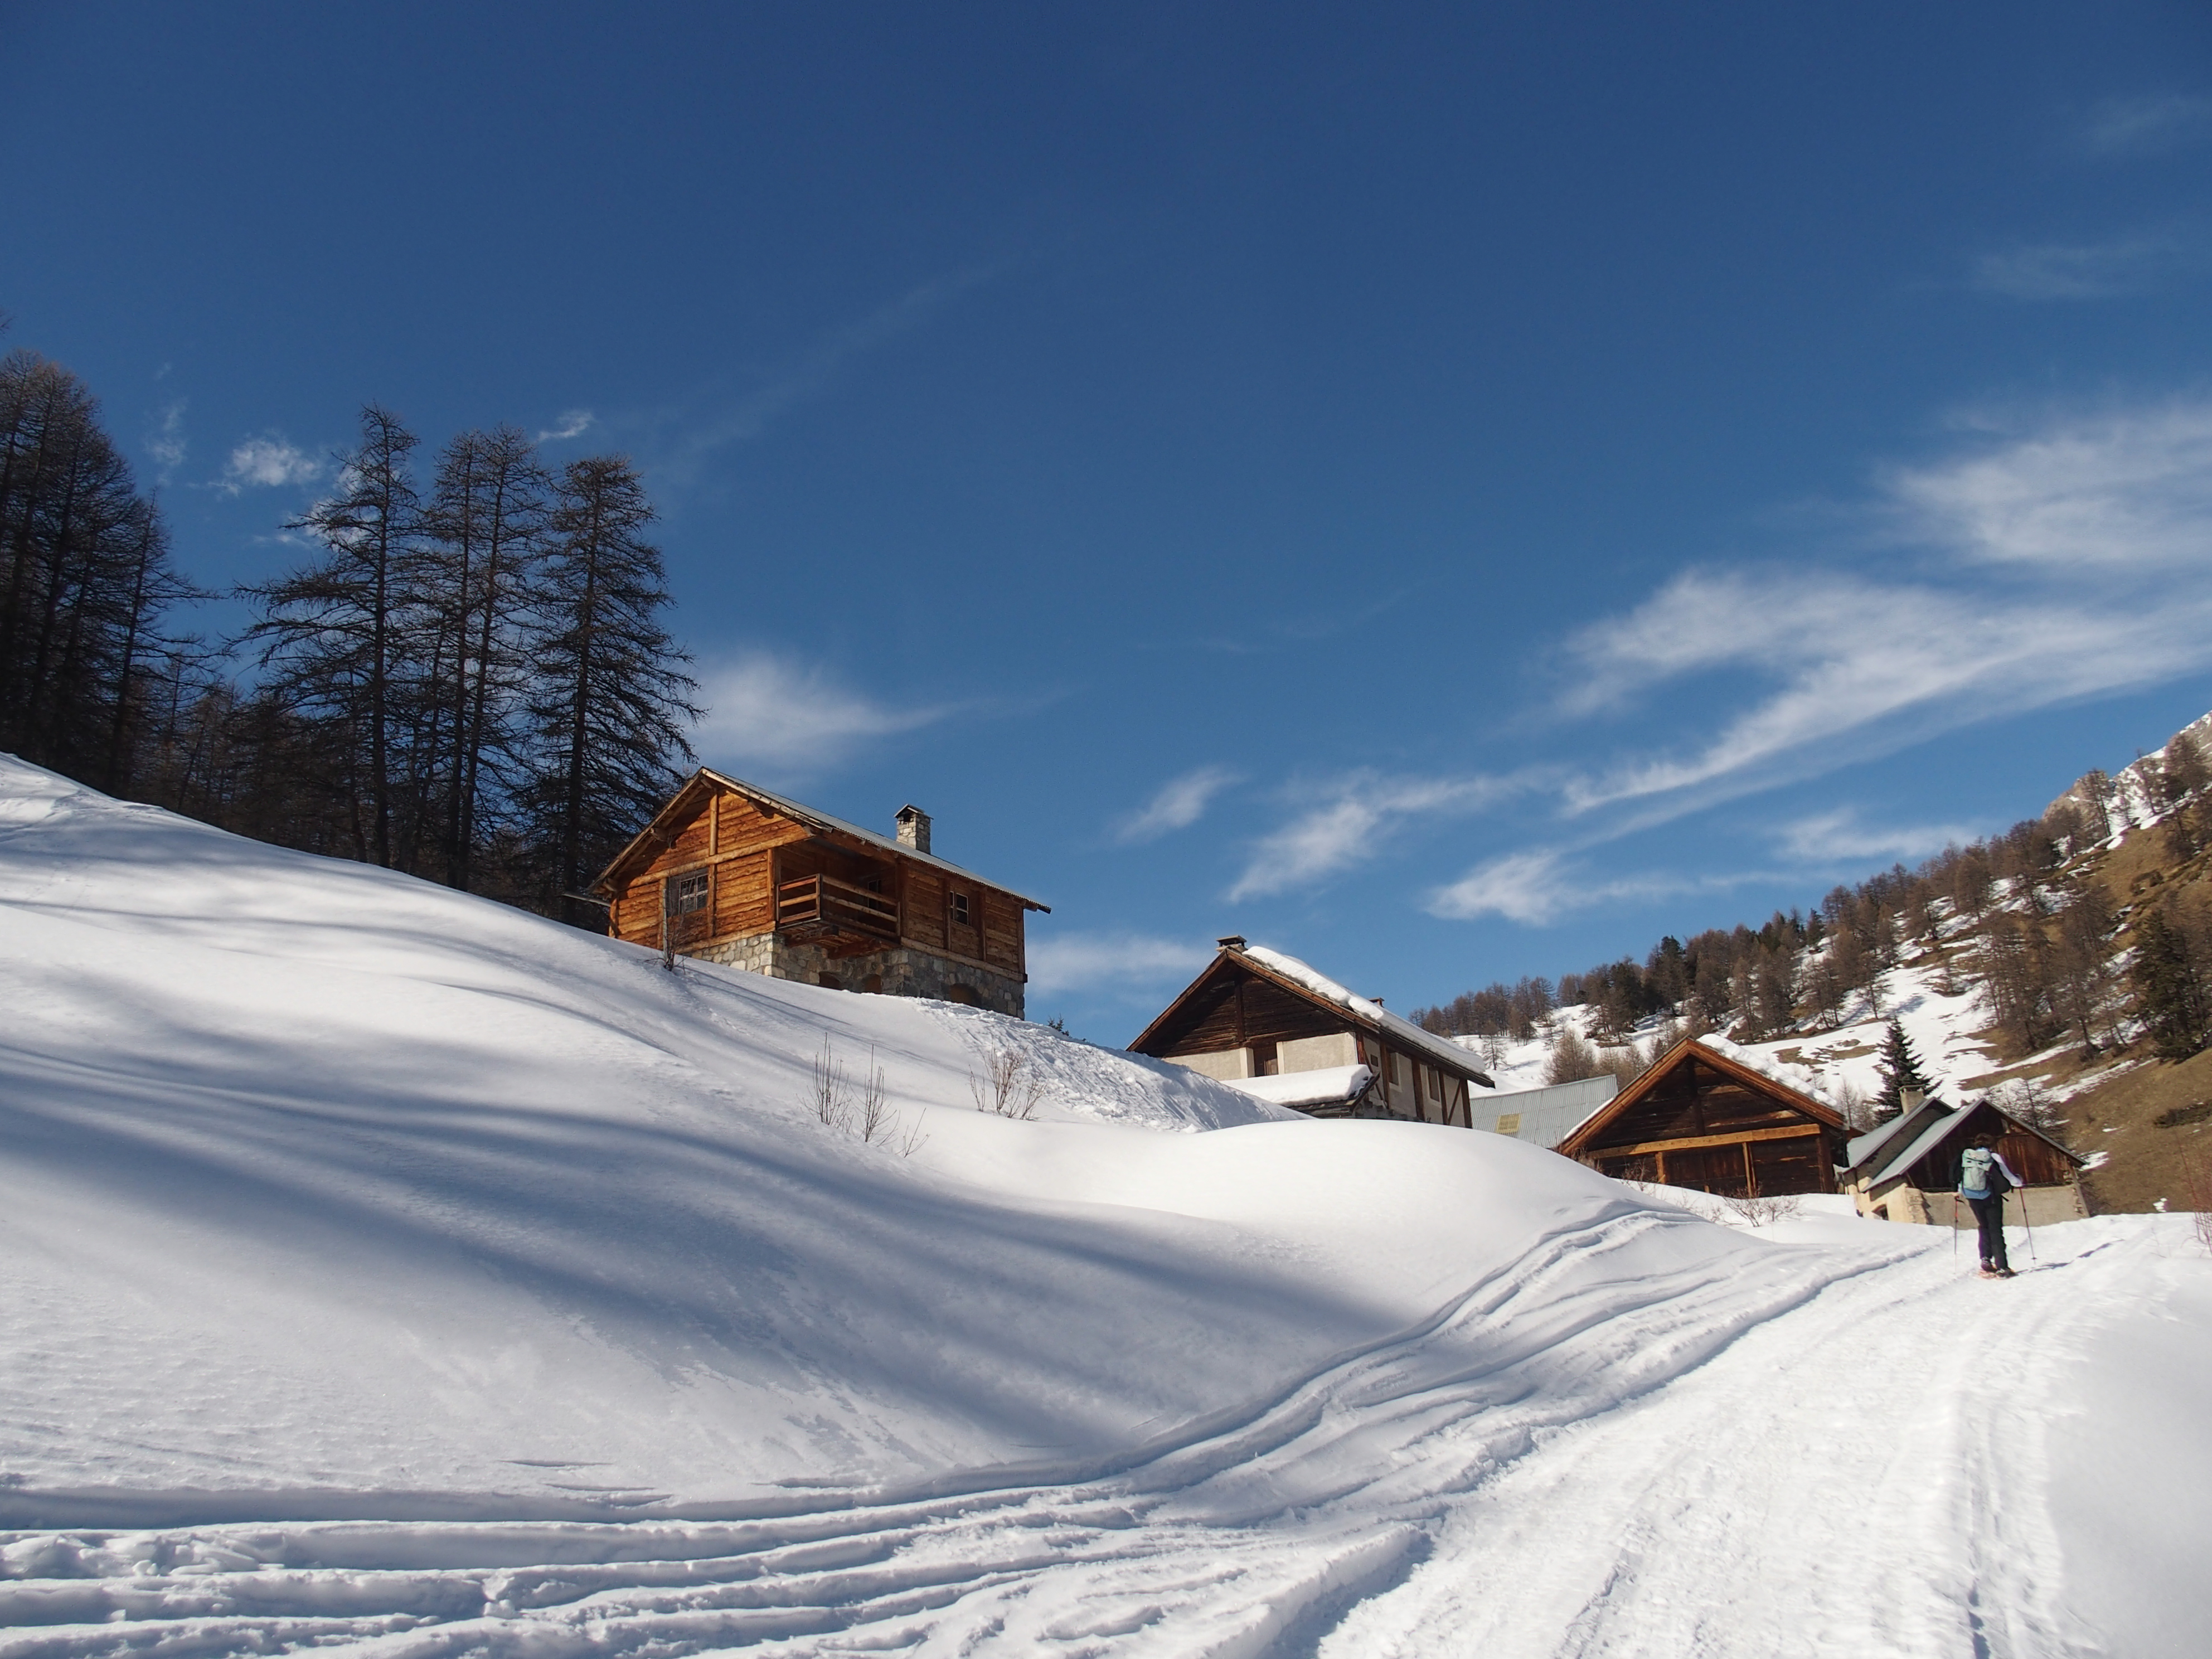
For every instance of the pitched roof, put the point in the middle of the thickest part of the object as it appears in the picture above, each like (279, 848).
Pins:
(649, 840)
(1868, 1146)
(1949, 1123)
(1545, 1117)
(1688, 1049)
(1302, 979)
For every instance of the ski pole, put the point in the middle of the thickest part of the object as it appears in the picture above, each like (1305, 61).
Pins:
(1955, 1229)
(2024, 1222)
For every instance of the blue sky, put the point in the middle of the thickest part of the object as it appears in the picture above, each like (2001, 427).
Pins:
(1450, 492)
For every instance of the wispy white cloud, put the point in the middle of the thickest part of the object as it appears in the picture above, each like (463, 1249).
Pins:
(765, 711)
(1344, 821)
(1539, 885)
(571, 423)
(267, 462)
(1086, 961)
(2061, 561)
(2148, 124)
(168, 444)
(1180, 803)
(814, 372)
(2093, 271)
(2128, 491)
(1838, 836)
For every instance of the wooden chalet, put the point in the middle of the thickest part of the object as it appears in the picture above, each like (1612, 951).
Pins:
(728, 873)
(1699, 1118)
(1907, 1169)
(1271, 1025)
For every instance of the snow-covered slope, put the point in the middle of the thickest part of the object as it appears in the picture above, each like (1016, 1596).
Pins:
(321, 1181)
(382, 1266)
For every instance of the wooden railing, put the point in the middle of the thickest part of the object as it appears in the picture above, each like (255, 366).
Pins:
(817, 906)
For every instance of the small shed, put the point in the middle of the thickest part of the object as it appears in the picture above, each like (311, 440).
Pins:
(1702, 1119)
(734, 873)
(1259, 1019)
(1907, 1169)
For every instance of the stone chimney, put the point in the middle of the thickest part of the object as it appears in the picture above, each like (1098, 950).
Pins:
(913, 828)
(1231, 941)
(1910, 1099)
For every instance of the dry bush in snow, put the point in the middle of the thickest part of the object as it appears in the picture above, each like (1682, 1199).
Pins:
(1009, 1084)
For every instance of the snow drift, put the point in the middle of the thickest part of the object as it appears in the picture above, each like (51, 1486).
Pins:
(383, 1266)
(329, 1191)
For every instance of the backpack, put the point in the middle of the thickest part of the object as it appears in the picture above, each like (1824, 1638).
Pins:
(1978, 1175)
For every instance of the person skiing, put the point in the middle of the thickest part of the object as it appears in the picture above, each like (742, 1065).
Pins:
(1984, 1178)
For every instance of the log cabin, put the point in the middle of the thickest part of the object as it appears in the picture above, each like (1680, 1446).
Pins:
(730, 872)
(1701, 1119)
(1267, 1021)
(1907, 1169)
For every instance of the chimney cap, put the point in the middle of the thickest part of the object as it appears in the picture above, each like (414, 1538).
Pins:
(910, 810)
(1231, 941)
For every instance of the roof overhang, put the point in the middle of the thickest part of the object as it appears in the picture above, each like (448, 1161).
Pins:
(1228, 957)
(647, 844)
(1682, 1054)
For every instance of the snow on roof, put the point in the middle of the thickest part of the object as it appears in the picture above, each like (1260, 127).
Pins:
(1442, 1050)
(1919, 1146)
(1332, 1085)
(1789, 1074)
(1545, 1117)
(1863, 1147)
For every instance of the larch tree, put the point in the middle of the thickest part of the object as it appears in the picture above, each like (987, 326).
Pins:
(85, 578)
(335, 637)
(486, 526)
(2168, 982)
(612, 702)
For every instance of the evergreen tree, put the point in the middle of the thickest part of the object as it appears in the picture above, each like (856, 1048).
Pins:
(1900, 1070)
(2170, 994)
(611, 700)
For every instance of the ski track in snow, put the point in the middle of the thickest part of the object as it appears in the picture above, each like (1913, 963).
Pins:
(1754, 1464)
(326, 1196)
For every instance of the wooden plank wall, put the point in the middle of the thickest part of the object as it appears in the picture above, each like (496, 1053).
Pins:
(738, 837)
(1696, 1100)
(749, 848)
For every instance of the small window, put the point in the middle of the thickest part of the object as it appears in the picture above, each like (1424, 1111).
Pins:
(1394, 1068)
(963, 994)
(687, 893)
(1435, 1084)
(960, 909)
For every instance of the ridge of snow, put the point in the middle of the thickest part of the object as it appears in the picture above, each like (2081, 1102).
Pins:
(1331, 1086)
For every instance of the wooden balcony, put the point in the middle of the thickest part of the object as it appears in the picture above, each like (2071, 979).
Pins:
(845, 919)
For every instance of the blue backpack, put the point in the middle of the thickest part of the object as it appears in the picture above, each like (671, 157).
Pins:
(1978, 1175)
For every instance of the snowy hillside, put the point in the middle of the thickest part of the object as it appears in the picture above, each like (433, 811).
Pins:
(385, 1264)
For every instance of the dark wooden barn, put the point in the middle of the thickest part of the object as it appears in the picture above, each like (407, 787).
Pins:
(1699, 1119)
(1257, 1014)
(731, 873)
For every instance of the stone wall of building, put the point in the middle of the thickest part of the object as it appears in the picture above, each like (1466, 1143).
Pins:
(898, 972)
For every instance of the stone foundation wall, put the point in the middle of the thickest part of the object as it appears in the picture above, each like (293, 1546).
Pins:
(897, 972)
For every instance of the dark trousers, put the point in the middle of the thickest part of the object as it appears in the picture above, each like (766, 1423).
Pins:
(1989, 1211)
